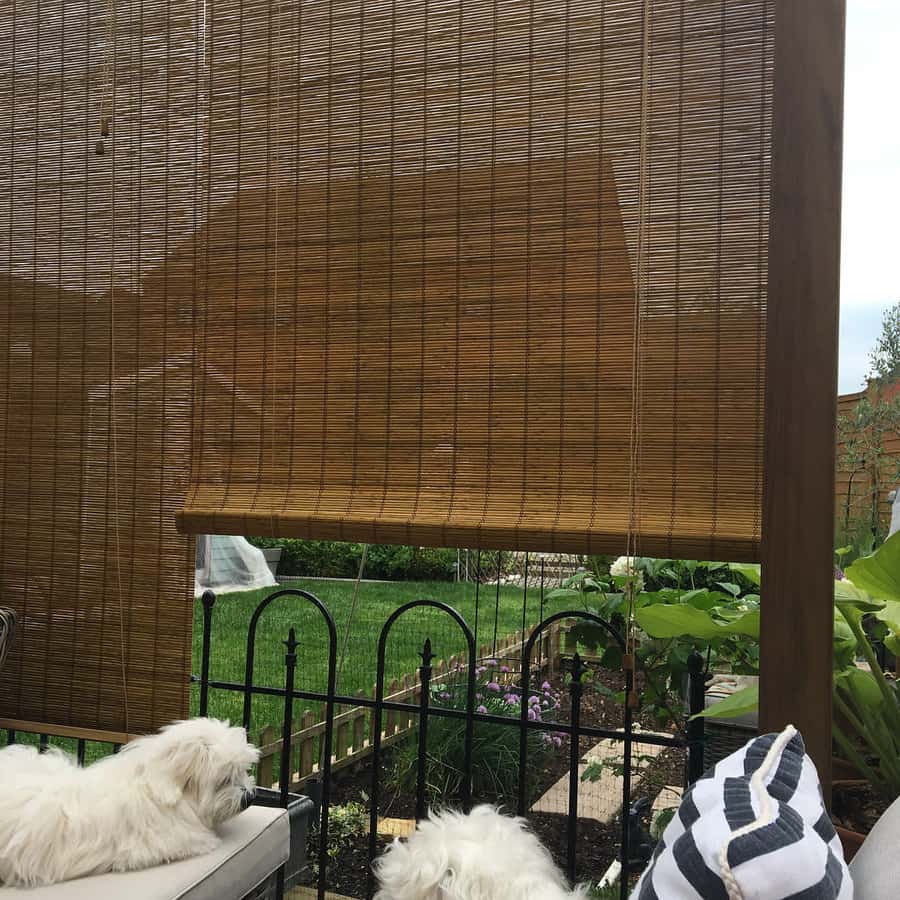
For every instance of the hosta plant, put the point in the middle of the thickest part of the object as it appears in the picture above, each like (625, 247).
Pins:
(679, 606)
(866, 699)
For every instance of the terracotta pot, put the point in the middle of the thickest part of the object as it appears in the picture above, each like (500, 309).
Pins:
(850, 841)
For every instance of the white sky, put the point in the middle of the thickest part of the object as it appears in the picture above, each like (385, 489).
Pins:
(870, 237)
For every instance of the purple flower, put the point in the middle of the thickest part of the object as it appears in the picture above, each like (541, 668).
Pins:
(493, 686)
(545, 738)
(546, 704)
(478, 697)
(490, 662)
(504, 669)
(532, 715)
(545, 686)
(511, 699)
(534, 701)
(444, 695)
(557, 741)
(480, 670)
(481, 709)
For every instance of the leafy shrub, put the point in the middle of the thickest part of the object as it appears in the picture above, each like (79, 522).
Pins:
(680, 606)
(495, 748)
(345, 823)
(338, 559)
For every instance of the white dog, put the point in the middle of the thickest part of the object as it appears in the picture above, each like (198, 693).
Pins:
(157, 800)
(480, 856)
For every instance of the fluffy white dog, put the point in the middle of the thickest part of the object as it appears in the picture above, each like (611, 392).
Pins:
(480, 856)
(157, 800)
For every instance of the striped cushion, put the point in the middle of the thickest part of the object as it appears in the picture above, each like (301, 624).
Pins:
(754, 827)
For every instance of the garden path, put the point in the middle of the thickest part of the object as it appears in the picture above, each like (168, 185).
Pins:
(601, 799)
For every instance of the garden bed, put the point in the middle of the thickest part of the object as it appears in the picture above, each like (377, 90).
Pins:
(598, 842)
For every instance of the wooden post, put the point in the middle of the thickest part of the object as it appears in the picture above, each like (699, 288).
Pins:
(801, 374)
(265, 770)
(406, 720)
(342, 735)
(307, 746)
(390, 717)
(359, 725)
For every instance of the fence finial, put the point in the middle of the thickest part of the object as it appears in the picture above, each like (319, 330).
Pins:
(426, 654)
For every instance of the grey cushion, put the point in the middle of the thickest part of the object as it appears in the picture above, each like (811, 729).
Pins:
(254, 844)
(876, 866)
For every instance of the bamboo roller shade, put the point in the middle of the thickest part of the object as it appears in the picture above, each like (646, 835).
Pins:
(95, 368)
(364, 270)
(433, 233)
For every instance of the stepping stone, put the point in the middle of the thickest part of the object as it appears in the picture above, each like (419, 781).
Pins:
(669, 797)
(302, 892)
(396, 827)
(602, 799)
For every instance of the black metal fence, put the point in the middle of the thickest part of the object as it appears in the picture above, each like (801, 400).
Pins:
(691, 740)
(425, 711)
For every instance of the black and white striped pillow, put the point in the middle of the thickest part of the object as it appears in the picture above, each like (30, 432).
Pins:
(754, 827)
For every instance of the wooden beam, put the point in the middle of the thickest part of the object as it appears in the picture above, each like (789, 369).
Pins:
(67, 731)
(801, 384)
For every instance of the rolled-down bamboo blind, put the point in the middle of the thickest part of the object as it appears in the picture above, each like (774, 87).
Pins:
(95, 365)
(454, 252)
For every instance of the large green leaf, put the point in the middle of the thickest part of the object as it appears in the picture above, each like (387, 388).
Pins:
(734, 705)
(890, 615)
(854, 602)
(564, 594)
(862, 688)
(667, 621)
(879, 574)
(750, 571)
(845, 648)
(892, 642)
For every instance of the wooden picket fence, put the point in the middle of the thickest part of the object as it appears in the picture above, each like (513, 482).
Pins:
(352, 734)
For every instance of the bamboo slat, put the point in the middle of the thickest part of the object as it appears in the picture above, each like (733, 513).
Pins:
(453, 252)
(96, 365)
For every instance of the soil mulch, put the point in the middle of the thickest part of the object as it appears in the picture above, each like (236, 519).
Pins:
(348, 872)
(856, 806)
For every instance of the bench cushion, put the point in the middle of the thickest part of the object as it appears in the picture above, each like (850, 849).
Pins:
(254, 844)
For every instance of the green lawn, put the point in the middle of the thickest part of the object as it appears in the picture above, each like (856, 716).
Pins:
(376, 602)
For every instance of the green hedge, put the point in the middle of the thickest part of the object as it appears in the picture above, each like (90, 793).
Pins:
(335, 559)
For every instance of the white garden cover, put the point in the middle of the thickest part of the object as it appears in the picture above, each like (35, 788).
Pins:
(226, 563)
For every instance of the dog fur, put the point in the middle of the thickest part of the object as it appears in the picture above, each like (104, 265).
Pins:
(480, 856)
(158, 800)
